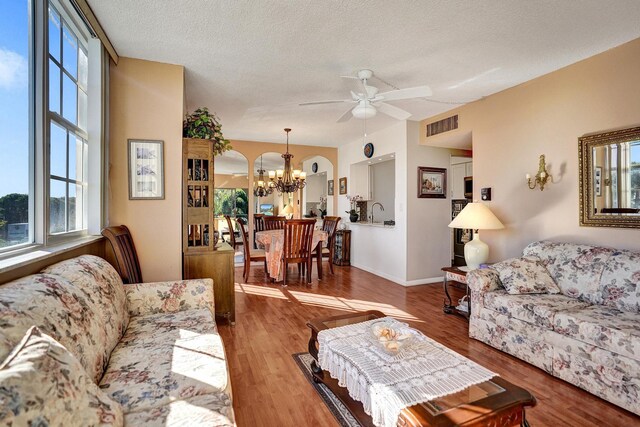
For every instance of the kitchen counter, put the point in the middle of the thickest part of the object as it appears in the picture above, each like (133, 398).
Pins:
(370, 224)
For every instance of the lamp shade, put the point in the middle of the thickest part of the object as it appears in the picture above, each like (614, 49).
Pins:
(288, 209)
(476, 216)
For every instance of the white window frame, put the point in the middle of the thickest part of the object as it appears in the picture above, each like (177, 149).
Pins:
(39, 122)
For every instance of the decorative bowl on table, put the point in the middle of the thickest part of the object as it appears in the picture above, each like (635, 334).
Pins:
(392, 336)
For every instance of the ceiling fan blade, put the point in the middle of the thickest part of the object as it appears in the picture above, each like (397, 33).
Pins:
(408, 93)
(326, 102)
(350, 77)
(395, 112)
(346, 116)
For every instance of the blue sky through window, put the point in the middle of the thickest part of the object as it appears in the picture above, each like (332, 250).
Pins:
(14, 97)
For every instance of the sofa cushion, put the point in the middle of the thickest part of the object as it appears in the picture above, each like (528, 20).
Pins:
(166, 357)
(42, 383)
(102, 286)
(576, 269)
(620, 282)
(205, 410)
(605, 327)
(536, 309)
(525, 275)
(60, 309)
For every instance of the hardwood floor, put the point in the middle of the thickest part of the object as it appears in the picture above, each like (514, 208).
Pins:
(270, 390)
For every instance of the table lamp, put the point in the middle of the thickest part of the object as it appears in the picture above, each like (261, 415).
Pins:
(288, 210)
(477, 217)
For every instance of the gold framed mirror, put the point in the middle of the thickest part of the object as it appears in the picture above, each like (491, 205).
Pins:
(610, 179)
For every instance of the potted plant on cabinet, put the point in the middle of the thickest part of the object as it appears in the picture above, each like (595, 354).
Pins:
(353, 213)
(202, 124)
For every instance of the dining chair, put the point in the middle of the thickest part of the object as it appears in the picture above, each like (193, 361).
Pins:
(232, 233)
(274, 222)
(250, 254)
(124, 250)
(298, 235)
(330, 225)
(258, 225)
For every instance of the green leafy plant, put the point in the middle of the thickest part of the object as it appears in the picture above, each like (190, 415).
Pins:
(205, 125)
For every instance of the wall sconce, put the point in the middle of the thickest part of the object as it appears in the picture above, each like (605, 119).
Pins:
(541, 177)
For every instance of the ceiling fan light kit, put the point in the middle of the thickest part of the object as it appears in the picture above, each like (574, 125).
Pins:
(364, 110)
(369, 101)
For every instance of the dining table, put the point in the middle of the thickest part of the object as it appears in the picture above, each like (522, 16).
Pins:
(273, 243)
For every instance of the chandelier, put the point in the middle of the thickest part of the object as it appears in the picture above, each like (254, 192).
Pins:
(262, 188)
(287, 180)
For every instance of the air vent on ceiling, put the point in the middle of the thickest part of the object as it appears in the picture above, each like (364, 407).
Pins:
(441, 126)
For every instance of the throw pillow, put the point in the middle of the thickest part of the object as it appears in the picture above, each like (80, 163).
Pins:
(42, 383)
(525, 276)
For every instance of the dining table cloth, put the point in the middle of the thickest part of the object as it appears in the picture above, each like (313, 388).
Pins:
(273, 243)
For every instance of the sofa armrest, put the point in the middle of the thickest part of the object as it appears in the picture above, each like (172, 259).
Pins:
(169, 297)
(481, 281)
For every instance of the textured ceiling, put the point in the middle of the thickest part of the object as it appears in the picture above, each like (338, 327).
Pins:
(252, 62)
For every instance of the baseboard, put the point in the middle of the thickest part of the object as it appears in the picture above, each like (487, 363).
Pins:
(398, 281)
(425, 281)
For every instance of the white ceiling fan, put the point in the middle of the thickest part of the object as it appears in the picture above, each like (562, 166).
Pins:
(369, 102)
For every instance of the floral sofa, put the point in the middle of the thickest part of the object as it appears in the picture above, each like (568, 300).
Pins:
(152, 348)
(588, 334)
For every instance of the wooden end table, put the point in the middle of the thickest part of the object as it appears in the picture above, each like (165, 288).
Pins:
(454, 276)
(496, 402)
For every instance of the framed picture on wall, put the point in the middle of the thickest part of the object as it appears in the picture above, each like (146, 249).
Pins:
(343, 185)
(597, 181)
(330, 187)
(432, 183)
(146, 169)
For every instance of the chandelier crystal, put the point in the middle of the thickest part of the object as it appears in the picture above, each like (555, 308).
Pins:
(262, 188)
(287, 180)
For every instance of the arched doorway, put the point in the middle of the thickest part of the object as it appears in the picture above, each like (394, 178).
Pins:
(231, 190)
(315, 195)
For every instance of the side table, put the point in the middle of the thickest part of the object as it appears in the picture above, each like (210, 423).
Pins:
(457, 278)
(342, 248)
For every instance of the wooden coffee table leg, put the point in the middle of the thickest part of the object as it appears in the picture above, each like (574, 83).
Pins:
(313, 351)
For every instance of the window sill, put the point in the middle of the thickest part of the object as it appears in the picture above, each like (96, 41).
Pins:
(40, 253)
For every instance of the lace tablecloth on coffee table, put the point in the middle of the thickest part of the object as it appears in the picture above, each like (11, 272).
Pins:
(423, 370)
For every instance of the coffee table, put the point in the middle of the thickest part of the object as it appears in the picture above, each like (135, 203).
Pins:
(496, 402)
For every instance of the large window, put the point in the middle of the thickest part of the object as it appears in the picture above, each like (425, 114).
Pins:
(68, 146)
(15, 142)
(46, 111)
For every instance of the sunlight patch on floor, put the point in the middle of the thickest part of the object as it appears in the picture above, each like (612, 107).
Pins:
(352, 305)
(262, 291)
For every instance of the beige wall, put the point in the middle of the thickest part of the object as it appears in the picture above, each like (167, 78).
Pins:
(230, 181)
(146, 102)
(546, 116)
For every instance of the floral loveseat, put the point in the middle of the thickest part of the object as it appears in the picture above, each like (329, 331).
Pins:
(152, 348)
(588, 335)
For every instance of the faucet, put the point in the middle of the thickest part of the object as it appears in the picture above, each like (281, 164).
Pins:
(372, 206)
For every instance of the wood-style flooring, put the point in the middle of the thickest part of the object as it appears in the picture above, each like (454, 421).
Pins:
(270, 390)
